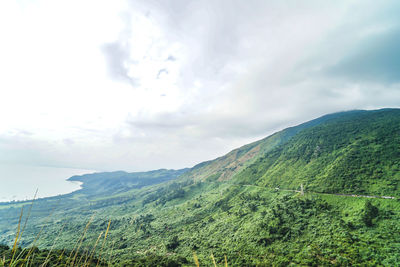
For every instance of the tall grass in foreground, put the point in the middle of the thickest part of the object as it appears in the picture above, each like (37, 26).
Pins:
(19, 231)
(104, 241)
(77, 257)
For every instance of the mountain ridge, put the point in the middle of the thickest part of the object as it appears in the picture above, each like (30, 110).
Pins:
(344, 148)
(258, 148)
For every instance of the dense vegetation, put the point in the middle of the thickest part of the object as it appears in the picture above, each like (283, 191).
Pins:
(231, 209)
(44, 257)
(358, 153)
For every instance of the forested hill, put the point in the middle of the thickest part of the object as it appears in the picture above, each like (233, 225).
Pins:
(346, 152)
(96, 184)
(224, 167)
(241, 208)
(355, 152)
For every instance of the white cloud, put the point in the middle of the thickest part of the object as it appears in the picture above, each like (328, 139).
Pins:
(147, 84)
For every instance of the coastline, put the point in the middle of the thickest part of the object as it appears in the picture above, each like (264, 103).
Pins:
(28, 199)
(19, 182)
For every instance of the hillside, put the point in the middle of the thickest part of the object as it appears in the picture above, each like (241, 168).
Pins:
(355, 153)
(223, 168)
(230, 206)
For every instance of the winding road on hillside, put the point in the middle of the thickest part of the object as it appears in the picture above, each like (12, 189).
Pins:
(335, 194)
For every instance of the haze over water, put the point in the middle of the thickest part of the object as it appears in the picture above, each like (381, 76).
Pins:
(19, 182)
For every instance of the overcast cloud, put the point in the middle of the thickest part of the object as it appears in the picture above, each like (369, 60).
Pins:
(140, 85)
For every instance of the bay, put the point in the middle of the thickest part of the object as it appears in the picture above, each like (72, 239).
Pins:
(19, 182)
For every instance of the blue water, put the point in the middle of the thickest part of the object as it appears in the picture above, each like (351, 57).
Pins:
(19, 182)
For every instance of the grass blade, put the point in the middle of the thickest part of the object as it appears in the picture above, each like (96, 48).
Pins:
(93, 250)
(40, 232)
(17, 236)
(104, 241)
(196, 259)
(19, 231)
(112, 249)
(213, 259)
(81, 240)
(29, 212)
(51, 249)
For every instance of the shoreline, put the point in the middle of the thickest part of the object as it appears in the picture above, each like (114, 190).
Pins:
(4, 201)
(19, 182)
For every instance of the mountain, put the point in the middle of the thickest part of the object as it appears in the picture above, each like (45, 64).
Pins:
(103, 183)
(355, 152)
(245, 207)
(223, 168)
(346, 152)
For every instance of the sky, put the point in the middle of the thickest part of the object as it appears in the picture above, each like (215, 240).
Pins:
(145, 84)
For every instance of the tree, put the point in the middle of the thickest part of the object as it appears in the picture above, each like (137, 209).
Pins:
(370, 212)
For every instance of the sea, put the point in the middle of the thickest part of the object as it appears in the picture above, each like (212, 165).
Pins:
(20, 182)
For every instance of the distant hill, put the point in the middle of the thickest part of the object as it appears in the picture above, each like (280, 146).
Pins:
(121, 181)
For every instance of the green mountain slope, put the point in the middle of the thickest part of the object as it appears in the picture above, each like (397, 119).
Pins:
(230, 207)
(223, 168)
(356, 153)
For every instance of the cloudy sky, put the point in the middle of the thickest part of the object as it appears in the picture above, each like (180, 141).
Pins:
(144, 84)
